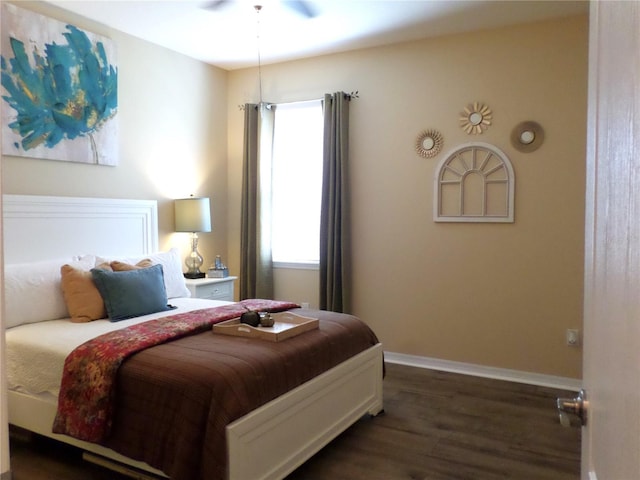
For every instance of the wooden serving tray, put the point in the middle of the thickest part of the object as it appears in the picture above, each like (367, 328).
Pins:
(286, 325)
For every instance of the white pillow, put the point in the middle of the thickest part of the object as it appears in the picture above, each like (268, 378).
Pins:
(171, 267)
(33, 292)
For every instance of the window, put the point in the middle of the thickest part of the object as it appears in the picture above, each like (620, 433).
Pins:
(297, 183)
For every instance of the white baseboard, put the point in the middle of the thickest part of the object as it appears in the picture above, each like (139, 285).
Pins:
(552, 381)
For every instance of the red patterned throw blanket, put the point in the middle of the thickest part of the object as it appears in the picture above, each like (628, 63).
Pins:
(87, 391)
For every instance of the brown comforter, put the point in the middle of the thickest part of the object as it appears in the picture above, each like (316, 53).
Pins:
(174, 400)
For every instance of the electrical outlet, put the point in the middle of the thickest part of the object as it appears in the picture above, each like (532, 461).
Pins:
(573, 337)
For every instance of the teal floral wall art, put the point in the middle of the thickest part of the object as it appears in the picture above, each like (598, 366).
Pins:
(59, 90)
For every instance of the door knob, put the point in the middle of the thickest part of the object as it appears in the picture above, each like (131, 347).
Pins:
(573, 406)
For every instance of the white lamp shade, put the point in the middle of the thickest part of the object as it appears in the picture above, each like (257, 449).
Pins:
(193, 215)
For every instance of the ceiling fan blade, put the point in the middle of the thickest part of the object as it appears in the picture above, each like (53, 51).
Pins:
(302, 7)
(299, 6)
(214, 4)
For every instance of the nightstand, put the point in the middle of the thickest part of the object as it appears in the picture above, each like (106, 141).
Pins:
(211, 288)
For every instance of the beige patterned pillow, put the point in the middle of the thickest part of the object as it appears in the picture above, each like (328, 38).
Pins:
(118, 266)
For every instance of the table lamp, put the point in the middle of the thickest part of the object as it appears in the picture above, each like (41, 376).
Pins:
(193, 215)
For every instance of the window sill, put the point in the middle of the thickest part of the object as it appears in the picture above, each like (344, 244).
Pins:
(296, 265)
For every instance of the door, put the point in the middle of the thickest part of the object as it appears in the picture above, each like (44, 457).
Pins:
(611, 438)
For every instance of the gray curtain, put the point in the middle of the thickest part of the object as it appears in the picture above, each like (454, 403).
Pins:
(256, 270)
(335, 237)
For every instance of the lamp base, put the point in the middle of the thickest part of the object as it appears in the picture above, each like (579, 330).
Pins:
(194, 260)
(194, 275)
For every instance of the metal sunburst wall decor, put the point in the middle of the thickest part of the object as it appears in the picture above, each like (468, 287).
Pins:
(475, 118)
(429, 143)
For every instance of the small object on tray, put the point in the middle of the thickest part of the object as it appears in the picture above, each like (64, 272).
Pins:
(251, 318)
(266, 320)
(285, 325)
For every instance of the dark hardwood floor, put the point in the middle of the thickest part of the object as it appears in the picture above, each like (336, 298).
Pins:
(436, 426)
(444, 426)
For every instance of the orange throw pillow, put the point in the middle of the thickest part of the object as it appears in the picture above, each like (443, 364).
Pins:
(83, 299)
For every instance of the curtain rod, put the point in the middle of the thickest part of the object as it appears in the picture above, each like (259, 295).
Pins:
(268, 105)
(348, 96)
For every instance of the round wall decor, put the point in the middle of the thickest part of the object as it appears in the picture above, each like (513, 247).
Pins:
(527, 136)
(475, 118)
(429, 143)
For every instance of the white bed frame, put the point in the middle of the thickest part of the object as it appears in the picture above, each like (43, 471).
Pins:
(269, 442)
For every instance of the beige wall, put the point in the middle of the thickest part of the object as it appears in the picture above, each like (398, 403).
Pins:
(172, 116)
(487, 294)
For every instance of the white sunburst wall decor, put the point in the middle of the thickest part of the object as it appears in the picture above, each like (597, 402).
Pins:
(429, 143)
(476, 118)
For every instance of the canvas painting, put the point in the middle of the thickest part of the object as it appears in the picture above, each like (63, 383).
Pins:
(59, 90)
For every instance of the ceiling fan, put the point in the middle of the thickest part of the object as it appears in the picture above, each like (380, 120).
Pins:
(299, 6)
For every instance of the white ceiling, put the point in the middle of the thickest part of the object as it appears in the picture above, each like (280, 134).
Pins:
(227, 36)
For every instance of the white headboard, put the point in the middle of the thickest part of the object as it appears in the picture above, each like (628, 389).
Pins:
(43, 227)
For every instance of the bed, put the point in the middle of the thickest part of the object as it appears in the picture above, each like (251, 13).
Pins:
(277, 435)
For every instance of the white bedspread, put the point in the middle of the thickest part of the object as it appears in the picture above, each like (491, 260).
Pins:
(36, 352)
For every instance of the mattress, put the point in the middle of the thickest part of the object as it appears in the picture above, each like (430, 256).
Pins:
(35, 352)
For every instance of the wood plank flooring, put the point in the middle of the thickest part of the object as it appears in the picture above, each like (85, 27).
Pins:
(436, 426)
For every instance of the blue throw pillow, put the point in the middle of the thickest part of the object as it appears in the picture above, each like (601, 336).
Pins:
(131, 293)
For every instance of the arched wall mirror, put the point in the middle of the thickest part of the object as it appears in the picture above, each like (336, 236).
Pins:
(474, 183)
